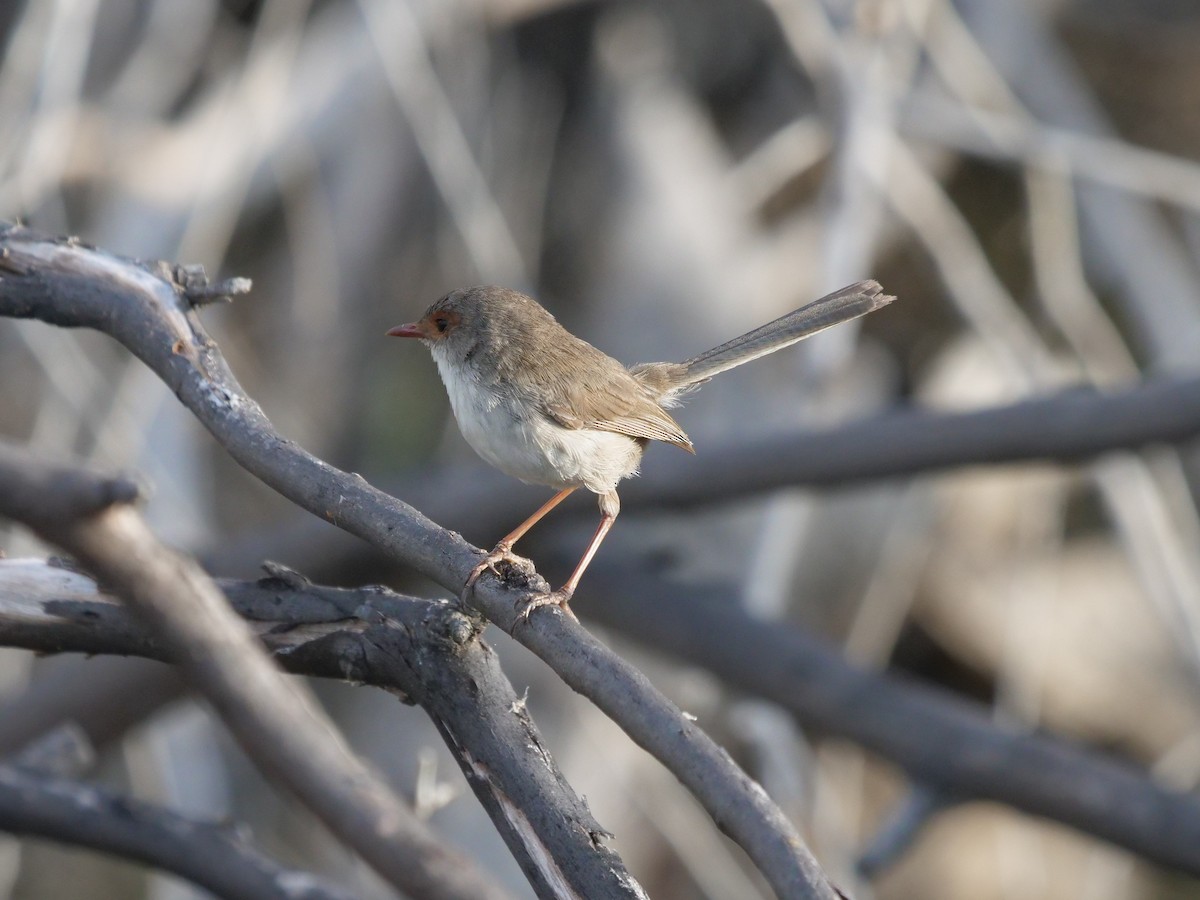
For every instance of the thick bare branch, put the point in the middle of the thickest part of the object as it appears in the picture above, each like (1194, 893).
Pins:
(426, 651)
(685, 621)
(73, 286)
(273, 719)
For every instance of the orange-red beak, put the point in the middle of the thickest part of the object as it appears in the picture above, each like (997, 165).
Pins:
(413, 330)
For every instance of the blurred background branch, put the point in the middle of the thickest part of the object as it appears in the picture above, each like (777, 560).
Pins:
(41, 801)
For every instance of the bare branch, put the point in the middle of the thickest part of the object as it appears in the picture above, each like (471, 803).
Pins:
(273, 719)
(212, 856)
(76, 287)
(897, 834)
(688, 621)
(425, 651)
(941, 741)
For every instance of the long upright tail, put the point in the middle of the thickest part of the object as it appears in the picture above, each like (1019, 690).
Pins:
(850, 302)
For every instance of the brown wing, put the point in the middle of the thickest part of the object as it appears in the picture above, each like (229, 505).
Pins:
(608, 398)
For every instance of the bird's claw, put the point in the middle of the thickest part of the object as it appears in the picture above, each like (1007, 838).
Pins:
(527, 604)
(561, 599)
(500, 553)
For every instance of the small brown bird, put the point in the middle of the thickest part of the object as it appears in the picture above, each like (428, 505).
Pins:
(548, 408)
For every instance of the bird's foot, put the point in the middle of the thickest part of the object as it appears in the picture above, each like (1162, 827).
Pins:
(501, 553)
(559, 598)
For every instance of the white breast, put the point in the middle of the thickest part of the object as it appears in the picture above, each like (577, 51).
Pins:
(526, 445)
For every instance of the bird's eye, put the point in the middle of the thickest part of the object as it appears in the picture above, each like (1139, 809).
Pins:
(441, 323)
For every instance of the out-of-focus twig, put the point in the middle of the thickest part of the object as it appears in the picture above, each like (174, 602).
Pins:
(1106, 160)
(402, 53)
(899, 832)
(1069, 426)
(1132, 245)
(215, 857)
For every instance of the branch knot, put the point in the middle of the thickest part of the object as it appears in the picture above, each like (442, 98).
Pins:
(199, 291)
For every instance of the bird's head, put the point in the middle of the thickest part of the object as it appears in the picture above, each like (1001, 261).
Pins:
(442, 320)
(488, 319)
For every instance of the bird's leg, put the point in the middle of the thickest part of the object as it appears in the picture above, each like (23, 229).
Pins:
(568, 589)
(503, 550)
(610, 507)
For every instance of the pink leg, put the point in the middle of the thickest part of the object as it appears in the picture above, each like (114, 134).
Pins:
(503, 550)
(568, 589)
(519, 532)
(610, 507)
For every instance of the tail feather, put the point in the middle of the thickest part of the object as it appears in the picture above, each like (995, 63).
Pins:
(850, 302)
(667, 382)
